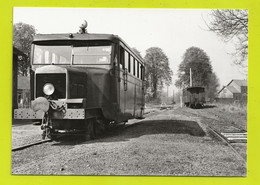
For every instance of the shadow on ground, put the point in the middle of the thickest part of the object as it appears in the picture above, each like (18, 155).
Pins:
(145, 127)
(209, 106)
(203, 107)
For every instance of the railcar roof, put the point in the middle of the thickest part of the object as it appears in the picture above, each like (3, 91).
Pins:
(78, 37)
(75, 36)
(195, 87)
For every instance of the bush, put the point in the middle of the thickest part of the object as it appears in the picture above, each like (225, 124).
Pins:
(234, 108)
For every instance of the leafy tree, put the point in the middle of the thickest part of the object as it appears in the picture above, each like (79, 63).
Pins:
(198, 61)
(137, 52)
(232, 25)
(22, 38)
(158, 71)
(212, 88)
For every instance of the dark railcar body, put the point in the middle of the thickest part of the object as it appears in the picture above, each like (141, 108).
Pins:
(90, 79)
(194, 97)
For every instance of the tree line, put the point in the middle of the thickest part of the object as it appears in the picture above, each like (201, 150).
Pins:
(227, 24)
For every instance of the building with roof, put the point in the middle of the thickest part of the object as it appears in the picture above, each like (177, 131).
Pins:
(21, 84)
(236, 90)
(23, 92)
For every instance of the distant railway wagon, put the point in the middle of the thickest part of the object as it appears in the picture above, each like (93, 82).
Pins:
(83, 82)
(194, 97)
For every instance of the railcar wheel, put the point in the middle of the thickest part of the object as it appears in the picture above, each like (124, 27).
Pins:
(101, 125)
(90, 129)
(53, 135)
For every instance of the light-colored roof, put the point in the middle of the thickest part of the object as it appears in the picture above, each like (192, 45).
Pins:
(23, 82)
(232, 89)
(239, 82)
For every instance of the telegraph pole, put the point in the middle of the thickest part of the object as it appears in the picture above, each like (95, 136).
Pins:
(181, 97)
(167, 94)
(190, 78)
(173, 96)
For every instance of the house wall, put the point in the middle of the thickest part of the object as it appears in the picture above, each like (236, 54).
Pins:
(225, 100)
(225, 94)
(243, 89)
(244, 94)
(237, 96)
(14, 93)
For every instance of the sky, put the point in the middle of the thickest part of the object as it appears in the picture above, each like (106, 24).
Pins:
(173, 30)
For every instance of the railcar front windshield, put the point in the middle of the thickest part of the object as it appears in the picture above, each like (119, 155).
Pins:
(91, 53)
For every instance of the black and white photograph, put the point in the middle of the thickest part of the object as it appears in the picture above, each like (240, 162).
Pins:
(129, 92)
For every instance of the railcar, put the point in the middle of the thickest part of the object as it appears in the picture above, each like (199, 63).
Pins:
(194, 97)
(83, 82)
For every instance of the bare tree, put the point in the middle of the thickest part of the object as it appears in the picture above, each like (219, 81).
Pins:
(232, 25)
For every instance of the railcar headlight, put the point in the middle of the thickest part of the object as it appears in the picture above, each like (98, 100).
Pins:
(48, 89)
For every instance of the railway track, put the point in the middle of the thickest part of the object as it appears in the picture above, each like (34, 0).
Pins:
(122, 126)
(228, 138)
(30, 145)
(50, 140)
(224, 140)
(238, 135)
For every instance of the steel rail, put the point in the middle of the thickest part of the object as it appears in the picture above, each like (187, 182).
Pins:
(49, 140)
(220, 136)
(31, 144)
(223, 139)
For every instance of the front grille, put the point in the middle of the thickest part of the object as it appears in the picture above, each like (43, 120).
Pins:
(58, 80)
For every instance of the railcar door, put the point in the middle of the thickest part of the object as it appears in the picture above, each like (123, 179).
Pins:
(122, 79)
(131, 89)
(131, 83)
(127, 83)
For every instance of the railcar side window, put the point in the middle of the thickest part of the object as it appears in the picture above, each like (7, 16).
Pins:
(132, 65)
(127, 63)
(137, 69)
(122, 58)
(142, 72)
